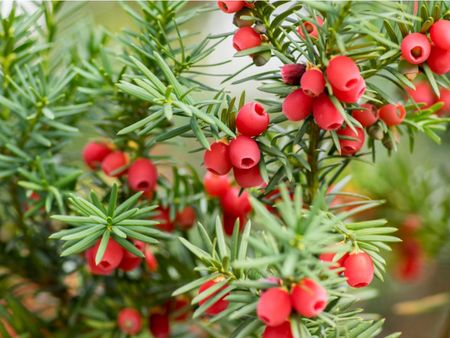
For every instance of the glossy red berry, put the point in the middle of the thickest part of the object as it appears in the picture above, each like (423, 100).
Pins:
(230, 6)
(274, 306)
(150, 259)
(297, 105)
(246, 38)
(142, 175)
(367, 116)
(416, 48)
(252, 119)
(218, 306)
(359, 270)
(114, 164)
(351, 95)
(329, 257)
(444, 97)
(217, 158)
(422, 94)
(309, 298)
(216, 185)
(343, 73)
(248, 178)
(313, 82)
(235, 204)
(163, 217)
(229, 222)
(130, 261)
(129, 321)
(186, 217)
(111, 258)
(350, 141)
(159, 324)
(439, 60)
(94, 153)
(326, 114)
(292, 73)
(92, 267)
(311, 28)
(280, 331)
(392, 114)
(440, 34)
(244, 152)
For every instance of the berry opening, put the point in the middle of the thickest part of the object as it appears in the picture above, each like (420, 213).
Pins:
(259, 109)
(333, 126)
(416, 52)
(213, 171)
(247, 162)
(143, 185)
(309, 27)
(104, 265)
(222, 5)
(265, 319)
(236, 46)
(320, 305)
(348, 149)
(351, 83)
(360, 285)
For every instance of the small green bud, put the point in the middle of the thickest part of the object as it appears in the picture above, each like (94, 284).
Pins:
(239, 21)
(388, 142)
(375, 132)
(407, 69)
(262, 58)
(260, 28)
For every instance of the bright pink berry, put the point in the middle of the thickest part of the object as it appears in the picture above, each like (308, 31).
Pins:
(274, 306)
(244, 152)
(246, 38)
(186, 217)
(142, 175)
(129, 321)
(309, 298)
(150, 259)
(359, 270)
(111, 258)
(218, 306)
(292, 73)
(159, 324)
(163, 217)
(235, 204)
(367, 116)
(329, 257)
(351, 95)
(416, 48)
(392, 114)
(231, 6)
(248, 178)
(422, 94)
(353, 145)
(94, 153)
(217, 158)
(326, 114)
(310, 28)
(216, 185)
(439, 60)
(280, 331)
(444, 97)
(440, 34)
(130, 261)
(252, 119)
(229, 222)
(313, 82)
(297, 105)
(343, 73)
(114, 164)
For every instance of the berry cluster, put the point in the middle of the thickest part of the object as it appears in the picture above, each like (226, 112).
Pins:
(242, 154)
(116, 257)
(418, 49)
(424, 94)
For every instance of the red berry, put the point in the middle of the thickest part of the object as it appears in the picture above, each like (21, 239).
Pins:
(416, 48)
(343, 73)
(392, 114)
(181, 306)
(216, 185)
(246, 38)
(297, 105)
(444, 97)
(131, 261)
(440, 34)
(248, 178)
(94, 153)
(150, 259)
(358, 270)
(313, 82)
(159, 324)
(326, 114)
(163, 217)
(252, 119)
(142, 175)
(218, 306)
(111, 258)
(217, 159)
(231, 6)
(309, 298)
(422, 94)
(244, 152)
(351, 95)
(129, 321)
(292, 73)
(229, 222)
(274, 306)
(310, 28)
(185, 218)
(329, 257)
(439, 60)
(281, 331)
(367, 116)
(114, 164)
(353, 145)
(236, 205)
